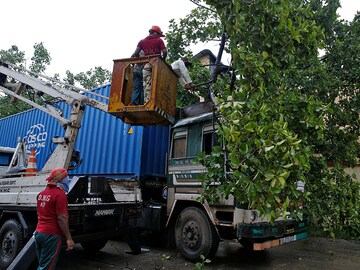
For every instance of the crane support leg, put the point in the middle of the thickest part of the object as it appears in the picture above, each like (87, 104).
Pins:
(26, 256)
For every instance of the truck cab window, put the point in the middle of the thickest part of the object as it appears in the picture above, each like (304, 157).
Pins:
(209, 139)
(179, 145)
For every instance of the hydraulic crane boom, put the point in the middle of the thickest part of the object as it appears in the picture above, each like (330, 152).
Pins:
(62, 155)
(64, 94)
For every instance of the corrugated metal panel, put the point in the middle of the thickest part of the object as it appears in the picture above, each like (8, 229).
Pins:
(104, 142)
(5, 159)
(155, 153)
(20, 125)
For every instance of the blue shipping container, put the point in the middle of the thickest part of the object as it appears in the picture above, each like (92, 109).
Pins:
(106, 144)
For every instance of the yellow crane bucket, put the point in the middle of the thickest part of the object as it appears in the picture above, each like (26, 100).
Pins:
(160, 109)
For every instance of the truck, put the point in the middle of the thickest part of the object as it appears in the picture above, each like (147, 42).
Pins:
(167, 204)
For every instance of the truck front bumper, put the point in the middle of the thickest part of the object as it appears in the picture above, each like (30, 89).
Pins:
(265, 230)
(267, 235)
(279, 241)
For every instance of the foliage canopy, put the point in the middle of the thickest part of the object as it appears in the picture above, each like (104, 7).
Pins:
(290, 113)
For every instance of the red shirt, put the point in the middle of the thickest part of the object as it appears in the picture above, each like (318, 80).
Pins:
(51, 202)
(151, 45)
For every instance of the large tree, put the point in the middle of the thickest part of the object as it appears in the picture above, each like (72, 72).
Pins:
(336, 203)
(290, 112)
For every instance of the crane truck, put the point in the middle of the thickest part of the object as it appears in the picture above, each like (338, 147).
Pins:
(194, 228)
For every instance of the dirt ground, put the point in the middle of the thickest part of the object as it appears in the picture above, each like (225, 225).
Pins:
(310, 253)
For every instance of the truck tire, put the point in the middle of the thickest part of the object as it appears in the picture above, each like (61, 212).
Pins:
(12, 241)
(195, 235)
(93, 246)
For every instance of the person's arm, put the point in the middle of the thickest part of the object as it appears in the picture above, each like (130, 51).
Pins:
(137, 52)
(164, 53)
(185, 74)
(64, 227)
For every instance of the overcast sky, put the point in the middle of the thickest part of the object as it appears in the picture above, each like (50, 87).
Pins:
(82, 34)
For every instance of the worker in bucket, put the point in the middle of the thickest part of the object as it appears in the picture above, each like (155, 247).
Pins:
(180, 67)
(151, 45)
(137, 96)
(53, 224)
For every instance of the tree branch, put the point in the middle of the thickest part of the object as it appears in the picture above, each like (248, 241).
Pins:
(195, 2)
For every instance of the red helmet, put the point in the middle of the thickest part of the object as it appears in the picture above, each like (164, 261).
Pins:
(157, 29)
(57, 174)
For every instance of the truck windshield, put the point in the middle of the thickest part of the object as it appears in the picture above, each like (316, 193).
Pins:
(209, 139)
(179, 145)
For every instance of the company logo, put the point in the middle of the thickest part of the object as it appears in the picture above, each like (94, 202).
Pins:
(105, 212)
(35, 138)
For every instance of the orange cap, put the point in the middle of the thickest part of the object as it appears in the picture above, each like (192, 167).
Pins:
(57, 174)
(157, 29)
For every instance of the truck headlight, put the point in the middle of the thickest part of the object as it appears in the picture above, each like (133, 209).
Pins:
(253, 215)
(164, 193)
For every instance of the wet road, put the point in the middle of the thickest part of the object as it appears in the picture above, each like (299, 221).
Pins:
(311, 253)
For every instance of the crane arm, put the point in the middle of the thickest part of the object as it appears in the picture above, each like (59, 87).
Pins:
(54, 91)
(49, 110)
(62, 155)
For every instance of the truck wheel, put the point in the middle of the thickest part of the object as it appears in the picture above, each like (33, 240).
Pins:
(93, 246)
(12, 241)
(195, 235)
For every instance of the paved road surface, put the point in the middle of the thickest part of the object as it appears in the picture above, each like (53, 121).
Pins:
(311, 253)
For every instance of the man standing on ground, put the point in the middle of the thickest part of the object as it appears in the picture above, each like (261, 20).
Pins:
(151, 45)
(52, 209)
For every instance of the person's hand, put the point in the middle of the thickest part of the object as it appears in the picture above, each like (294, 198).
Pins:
(189, 85)
(70, 244)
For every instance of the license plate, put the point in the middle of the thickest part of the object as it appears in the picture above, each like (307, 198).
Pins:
(287, 239)
(292, 238)
(279, 241)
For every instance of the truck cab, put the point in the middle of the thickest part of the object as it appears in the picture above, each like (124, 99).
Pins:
(198, 227)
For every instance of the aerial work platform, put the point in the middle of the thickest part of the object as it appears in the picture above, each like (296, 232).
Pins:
(161, 107)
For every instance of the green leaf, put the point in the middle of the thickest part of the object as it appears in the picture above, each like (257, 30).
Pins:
(267, 149)
(282, 181)
(281, 142)
(297, 142)
(288, 165)
(269, 176)
(273, 182)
